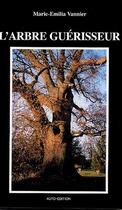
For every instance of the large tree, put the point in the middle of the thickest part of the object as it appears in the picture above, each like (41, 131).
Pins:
(50, 79)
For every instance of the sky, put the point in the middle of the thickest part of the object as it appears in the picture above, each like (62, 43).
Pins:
(99, 82)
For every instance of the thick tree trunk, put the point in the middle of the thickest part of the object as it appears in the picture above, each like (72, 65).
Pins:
(58, 141)
(58, 151)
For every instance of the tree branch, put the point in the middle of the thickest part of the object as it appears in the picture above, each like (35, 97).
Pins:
(76, 64)
(31, 97)
(93, 62)
(62, 59)
(53, 58)
(82, 112)
(87, 132)
(44, 100)
(77, 107)
(58, 64)
(39, 67)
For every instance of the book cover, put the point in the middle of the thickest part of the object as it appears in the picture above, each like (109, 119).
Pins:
(60, 108)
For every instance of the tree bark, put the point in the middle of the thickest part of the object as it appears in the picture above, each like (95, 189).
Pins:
(58, 141)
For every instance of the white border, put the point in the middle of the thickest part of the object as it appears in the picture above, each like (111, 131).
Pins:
(107, 127)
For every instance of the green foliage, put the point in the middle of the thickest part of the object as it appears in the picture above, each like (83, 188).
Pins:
(78, 155)
(99, 155)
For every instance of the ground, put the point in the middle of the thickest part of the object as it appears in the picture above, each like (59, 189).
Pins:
(86, 181)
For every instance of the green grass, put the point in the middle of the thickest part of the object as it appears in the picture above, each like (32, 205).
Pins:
(90, 173)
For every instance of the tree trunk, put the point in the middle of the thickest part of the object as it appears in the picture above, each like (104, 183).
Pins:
(58, 141)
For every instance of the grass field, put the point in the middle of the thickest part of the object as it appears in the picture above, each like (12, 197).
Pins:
(90, 173)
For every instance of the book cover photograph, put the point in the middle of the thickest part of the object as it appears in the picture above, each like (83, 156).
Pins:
(58, 120)
(60, 110)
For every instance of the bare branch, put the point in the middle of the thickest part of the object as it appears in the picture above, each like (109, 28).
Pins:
(62, 59)
(39, 67)
(77, 107)
(90, 62)
(31, 97)
(44, 100)
(93, 62)
(74, 66)
(83, 114)
(53, 59)
(87, 131)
